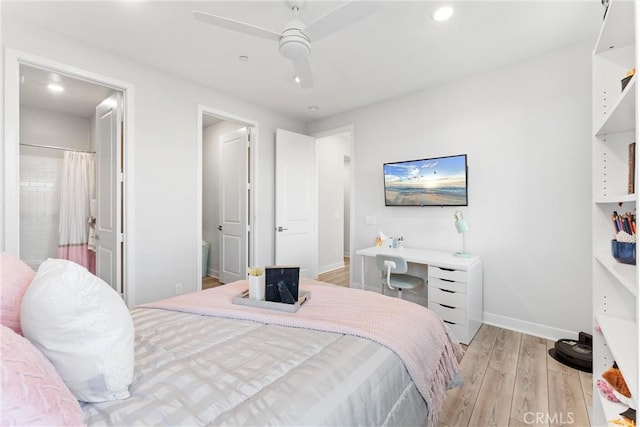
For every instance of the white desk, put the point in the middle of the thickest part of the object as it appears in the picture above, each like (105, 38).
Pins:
(454, 285)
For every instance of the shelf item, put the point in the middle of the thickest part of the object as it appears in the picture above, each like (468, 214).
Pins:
(611, 410)
(621, 336)
(625, 81)
(631, 180)
(624, 252)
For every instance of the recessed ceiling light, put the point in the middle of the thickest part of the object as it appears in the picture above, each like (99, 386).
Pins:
(243, 58)
(443, 13)
(314, 108)
(296, 79)
(55, 88)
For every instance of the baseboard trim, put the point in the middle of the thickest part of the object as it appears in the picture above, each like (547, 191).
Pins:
(523, 326)
(535, 329)
(330, 267)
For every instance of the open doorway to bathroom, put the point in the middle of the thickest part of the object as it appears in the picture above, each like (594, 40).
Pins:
(70, 172)
(227, 185)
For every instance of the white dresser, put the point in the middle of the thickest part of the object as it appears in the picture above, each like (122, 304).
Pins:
(456, 295)
(454, 285)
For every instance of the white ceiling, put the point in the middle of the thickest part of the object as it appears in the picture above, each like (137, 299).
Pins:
(398, 50)
(79, 97)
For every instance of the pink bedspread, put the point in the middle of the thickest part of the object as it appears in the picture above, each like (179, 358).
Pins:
(414, 333)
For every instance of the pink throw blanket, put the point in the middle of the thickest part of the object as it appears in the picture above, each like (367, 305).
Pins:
(414, 333)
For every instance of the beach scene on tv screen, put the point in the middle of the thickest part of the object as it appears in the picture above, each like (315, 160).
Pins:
(438, 182)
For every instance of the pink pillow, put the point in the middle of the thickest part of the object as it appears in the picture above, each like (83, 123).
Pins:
(32, 391)
(15, 277)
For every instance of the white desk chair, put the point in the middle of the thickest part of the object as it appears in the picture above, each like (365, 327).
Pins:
(394, 268)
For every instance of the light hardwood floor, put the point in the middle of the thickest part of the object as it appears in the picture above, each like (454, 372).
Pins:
(337, 277)
(510, 380)
(210, 282)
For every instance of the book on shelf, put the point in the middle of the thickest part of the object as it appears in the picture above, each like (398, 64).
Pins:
(281, 283)
(631, 187)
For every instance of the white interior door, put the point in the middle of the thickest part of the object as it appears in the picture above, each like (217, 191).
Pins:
(109, 191)
(295, 235)
(233, 205)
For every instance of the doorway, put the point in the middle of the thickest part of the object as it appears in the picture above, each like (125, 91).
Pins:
(52, 114)
(228, 184)
(314, 204)
(334, 200)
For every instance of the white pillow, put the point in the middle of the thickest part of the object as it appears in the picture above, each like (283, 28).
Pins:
(83, 326)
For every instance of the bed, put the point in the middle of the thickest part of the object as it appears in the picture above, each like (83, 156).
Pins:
(347, 357)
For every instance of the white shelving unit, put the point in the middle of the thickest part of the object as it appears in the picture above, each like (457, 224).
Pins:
(615, 285)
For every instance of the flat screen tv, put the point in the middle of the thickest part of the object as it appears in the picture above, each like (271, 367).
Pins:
(438, 181)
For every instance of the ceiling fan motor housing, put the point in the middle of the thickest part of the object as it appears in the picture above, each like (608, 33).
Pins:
(294, 44)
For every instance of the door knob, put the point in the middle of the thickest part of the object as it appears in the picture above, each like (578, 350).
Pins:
(96, 236)
(220, 227)
(281, 229)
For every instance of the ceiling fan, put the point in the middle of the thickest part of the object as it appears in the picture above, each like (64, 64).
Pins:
(296, 37)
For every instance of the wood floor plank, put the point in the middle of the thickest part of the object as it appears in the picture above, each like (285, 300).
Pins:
(531, 392)
(210, 282)
(534, 338)
(566, 401)
(458, 406)
(586, 381)
(493, 406)
(505, 351)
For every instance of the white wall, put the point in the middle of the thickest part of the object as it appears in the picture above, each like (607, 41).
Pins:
(162, 157)
(526, 130)
(45, 127)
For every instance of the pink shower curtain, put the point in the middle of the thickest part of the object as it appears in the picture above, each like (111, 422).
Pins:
(77, 190)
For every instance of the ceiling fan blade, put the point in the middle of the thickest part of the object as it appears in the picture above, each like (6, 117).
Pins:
(303, 72)
(341, 17)
(234, 25)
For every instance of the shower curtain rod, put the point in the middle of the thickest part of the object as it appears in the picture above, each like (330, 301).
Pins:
(56, 148)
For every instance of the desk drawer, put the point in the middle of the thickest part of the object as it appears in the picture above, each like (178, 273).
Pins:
(460, 331)
(454, 299)
(444, 273)
(449, 314)
(449, 285)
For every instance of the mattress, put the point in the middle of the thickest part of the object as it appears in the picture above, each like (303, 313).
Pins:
(192, 369)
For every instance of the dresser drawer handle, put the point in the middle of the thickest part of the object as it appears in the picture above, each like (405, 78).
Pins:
(447, 291)
(447, 306)
(446, 269)
(446, 321)
(446, 280)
